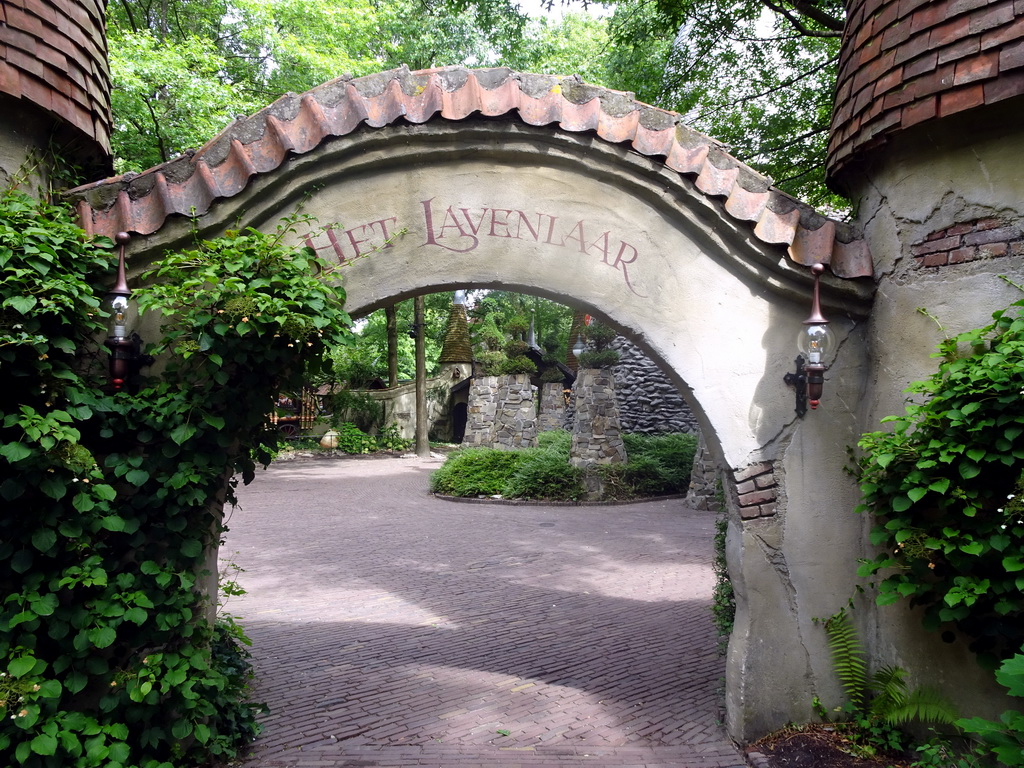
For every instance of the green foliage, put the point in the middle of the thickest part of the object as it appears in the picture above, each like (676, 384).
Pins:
(475, 472)
(879, 703)
(360, 408)
(559, 440)
(108, 658)
(723, 600)
(545, 474)
(492, 363)
(519, 364)
(603, 358)
(552, 375)
(947, 493)
(1004, 738)
(389, 439)
(351, 439)
(658, 464)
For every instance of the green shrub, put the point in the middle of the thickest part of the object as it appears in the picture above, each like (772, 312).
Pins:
(552, 375)
(475, 472)
(545, 474)
(491, 362)
(351, 439)
(601, 358)
(519, 364)
(559, 440)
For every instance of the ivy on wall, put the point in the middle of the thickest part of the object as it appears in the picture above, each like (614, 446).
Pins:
(947, 491)
(112, 502)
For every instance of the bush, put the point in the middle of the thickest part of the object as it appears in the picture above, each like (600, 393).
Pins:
(475, 472)
(603, 358)
(517, 365)
(658, 465)
(545, 474)
(558, 440)
(552, 375)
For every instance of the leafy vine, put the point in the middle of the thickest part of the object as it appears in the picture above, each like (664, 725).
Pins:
(947, 491)
(113, 503)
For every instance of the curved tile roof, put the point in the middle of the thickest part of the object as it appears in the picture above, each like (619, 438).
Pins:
(297, 124)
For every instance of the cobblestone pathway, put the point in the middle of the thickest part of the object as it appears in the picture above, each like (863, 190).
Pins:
(391, 628)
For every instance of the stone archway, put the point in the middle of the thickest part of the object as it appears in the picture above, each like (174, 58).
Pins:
(457, 178)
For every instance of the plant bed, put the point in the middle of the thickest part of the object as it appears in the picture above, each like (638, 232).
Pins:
(827, 745)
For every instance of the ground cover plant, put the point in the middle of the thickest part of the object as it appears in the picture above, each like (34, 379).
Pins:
(658, 465)
(108, 654)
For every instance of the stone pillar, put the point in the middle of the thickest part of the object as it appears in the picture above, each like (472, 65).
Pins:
(515, 423)
(481, 412)
(703, 490)
(552, 407)
(596, 435)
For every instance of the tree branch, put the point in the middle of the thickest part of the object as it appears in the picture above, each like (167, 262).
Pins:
(800, 27)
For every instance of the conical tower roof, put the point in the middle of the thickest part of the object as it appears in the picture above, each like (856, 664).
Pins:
(457, 346)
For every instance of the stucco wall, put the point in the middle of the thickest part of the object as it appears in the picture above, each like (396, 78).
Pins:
(922, 190)
(593, 224)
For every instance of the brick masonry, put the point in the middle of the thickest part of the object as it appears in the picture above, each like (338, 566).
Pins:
(412, 631)
(976, 240)
(906, 62)
(756, 490)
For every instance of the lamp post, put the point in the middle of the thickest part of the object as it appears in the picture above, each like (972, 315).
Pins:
(815, 342)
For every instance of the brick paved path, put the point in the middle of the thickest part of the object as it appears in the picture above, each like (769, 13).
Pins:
(391, 628)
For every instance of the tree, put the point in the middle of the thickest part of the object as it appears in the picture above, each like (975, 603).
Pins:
(183, 70)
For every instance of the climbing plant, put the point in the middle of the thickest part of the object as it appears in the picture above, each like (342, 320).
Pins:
(108, 654)
(947, 491)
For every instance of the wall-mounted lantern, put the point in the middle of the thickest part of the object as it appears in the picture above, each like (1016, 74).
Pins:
(815, 342)
(126, 356)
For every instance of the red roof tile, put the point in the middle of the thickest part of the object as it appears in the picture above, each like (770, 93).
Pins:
(261, 143)
(43, 41)
(947, 56)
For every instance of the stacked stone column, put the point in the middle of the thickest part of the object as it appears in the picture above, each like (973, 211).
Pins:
(552, 407)
(596, 433)
(515, 423)
(481, 412)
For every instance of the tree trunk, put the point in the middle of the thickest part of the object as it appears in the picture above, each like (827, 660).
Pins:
(391, 318)
(422, 441)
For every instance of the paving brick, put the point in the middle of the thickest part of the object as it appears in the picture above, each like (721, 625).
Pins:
(391, 628)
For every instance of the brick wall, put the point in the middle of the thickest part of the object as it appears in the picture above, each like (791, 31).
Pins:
(970, 241)
(906, 62)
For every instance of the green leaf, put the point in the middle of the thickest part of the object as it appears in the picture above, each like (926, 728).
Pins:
(44, 538)
(939, 486)
(182, 432)
(15, 451)
(21, 666)
(916, 494)
(44, 744)
(191, 548)
(217, 422)
(102, 637)
(23, 305)
(113, 523)
(974, 548)
(105, 492)
(137, 477)
(1013, 563)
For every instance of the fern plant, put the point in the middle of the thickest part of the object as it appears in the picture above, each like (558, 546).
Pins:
(881, 702)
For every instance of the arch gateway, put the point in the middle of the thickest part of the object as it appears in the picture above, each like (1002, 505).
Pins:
(453, 178)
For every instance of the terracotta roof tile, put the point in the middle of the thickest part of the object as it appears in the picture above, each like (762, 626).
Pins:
(260, 144)
(940, 50)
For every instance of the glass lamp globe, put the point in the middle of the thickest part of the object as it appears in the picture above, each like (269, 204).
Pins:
(816, 342)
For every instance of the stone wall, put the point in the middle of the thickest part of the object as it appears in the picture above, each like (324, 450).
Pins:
(515, 421)
(481, 412)
(597, 434)
(552, 407)
(703, 490)
(648, 401)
